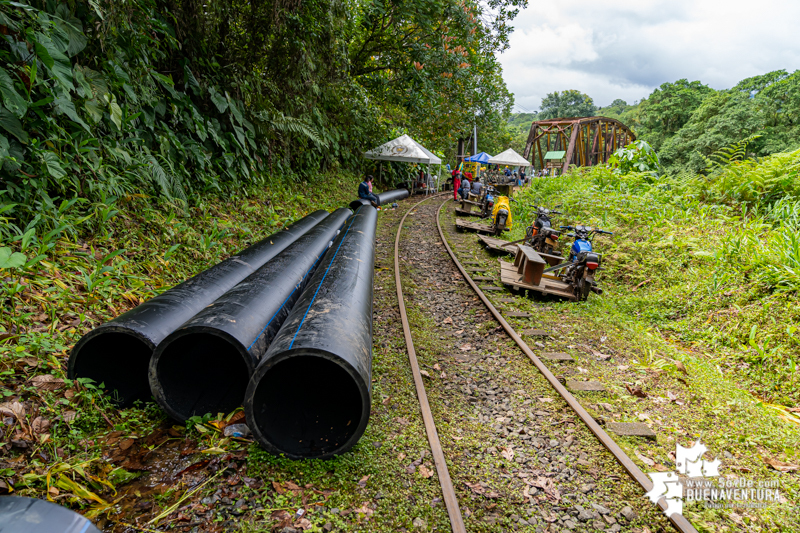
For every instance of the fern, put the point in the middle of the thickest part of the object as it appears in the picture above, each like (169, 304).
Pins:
(168, 182)
(285, 125)
(728, 154)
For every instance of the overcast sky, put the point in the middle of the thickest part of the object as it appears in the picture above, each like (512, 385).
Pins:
(624, 49)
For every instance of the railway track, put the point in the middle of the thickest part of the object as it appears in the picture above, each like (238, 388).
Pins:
(448, 488)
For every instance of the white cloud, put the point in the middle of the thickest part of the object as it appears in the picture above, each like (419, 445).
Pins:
(627, 49)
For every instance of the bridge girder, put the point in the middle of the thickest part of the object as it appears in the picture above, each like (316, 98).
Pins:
(588, 141)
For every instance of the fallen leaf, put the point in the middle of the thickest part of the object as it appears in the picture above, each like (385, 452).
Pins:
(780, 466)
(476, 487)
(386, 400)
(425, 373)
(465, 347)
(459, 332)
(69, 416)
(425, 472)
(15, 409)
(47, 382)
(125, 444)
(545, 400)
(294, 487)
(40, 424)
(636, 391)
(447, 320)
(507, 453)
(646, 460)
(303, 524)
(437, 367)
(363, 482)
(680, 366)
(364, 511)
(401, 456)
(30, 361)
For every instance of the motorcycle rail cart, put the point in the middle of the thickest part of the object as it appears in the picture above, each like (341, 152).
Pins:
(583, 262)
(540, 235)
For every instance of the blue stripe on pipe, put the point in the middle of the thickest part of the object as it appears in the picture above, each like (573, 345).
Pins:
(287, 298)
(323, 277)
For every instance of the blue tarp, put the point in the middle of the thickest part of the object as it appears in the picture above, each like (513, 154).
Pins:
(482, 157)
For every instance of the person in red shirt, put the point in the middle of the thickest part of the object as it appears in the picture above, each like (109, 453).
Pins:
(456, 183)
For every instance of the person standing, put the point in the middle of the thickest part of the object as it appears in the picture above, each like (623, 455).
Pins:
(365, 191)
(456, 184)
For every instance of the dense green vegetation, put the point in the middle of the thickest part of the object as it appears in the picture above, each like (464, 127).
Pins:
(711, 261)
(179, 98)
(686, 122)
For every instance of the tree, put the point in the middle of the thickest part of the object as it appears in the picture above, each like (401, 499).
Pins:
(668, 108)
(569, 103)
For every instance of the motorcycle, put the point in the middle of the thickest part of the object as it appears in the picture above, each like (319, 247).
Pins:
(540, 235)
(501, 214)
(583, 261)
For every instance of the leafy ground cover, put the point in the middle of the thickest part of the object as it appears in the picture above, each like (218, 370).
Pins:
(695, 333)
(86, 272)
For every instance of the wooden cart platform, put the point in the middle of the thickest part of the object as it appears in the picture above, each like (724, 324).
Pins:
(468, 213)
(469, 207)
(527, 272)
(497, 245)
(473, 226)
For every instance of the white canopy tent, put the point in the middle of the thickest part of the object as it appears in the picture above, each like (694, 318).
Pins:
(510, 158)
(404, 149)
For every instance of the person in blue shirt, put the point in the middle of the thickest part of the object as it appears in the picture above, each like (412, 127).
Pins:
(365, 191)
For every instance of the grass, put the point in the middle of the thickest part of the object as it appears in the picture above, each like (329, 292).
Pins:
(701, 275)
(90, 269)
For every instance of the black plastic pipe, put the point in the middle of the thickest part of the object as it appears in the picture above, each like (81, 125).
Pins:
(118, 352)
(310, 396)
(30, 515)
(384, 198)
(204, 366)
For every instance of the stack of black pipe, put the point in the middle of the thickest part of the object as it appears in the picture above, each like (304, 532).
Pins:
(384, 198)
(284, 327)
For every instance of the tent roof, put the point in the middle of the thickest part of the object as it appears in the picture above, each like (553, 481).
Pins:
(481, 157)
(509, 157)
(403, 149)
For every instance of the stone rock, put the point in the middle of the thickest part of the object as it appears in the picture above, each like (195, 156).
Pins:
(419, 523)
(631, 429)
(600, 509)
(590, 386)
(628, 514)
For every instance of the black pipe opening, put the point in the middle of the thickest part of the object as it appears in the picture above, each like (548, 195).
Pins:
(308, 406)
(119, 361)
(201, 373)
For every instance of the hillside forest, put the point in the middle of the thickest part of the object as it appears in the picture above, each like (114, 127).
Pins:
(686, 122)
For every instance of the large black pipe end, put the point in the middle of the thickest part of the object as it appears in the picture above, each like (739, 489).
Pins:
(20, 514)
(117, 358)
(307, 405)
(199, 370)
(355, 204)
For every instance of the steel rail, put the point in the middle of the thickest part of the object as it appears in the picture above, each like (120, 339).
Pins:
(448, 492)
(678, 521)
